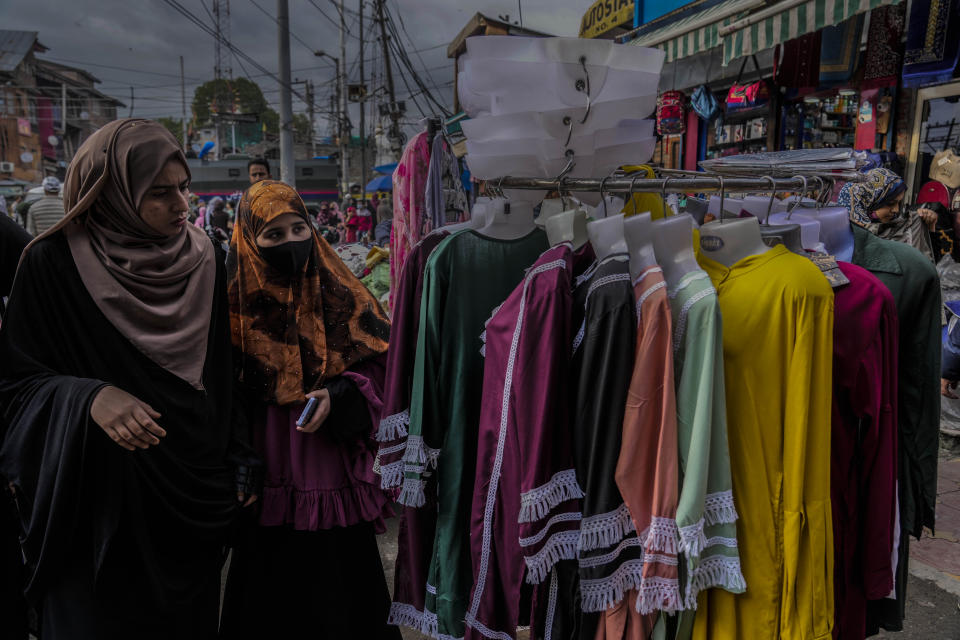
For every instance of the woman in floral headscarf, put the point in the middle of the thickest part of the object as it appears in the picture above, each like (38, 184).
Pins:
(875, 205)
(304, 327)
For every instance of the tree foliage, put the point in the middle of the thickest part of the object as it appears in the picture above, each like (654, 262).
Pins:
(238, 95)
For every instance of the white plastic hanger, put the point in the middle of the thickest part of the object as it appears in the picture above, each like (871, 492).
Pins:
(509, 219)
(638, 232)
(568, 226)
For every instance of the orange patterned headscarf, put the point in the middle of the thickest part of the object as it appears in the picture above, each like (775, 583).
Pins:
(295, 335)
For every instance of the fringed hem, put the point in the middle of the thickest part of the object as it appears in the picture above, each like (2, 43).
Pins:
(419, 453)
(662, 535)
(718, 508)
(715, 572)
(601, 594)
(406, 615)
(659, 594)
(692, 539)
(537, 503)
(606, 529)
(391, 475)
(486, 631)
(412, 494)
(394, 427)
(560, 546)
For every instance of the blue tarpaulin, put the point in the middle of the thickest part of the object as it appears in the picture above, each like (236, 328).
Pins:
(381, 183)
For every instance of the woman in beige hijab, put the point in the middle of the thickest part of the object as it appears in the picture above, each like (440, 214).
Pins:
(121, 447)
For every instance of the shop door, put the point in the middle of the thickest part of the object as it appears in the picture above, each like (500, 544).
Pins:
(936, 126)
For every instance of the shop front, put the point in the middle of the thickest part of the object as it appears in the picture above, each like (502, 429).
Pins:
(792, 75)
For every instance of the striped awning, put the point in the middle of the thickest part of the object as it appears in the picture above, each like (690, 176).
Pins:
(791, 23)
(701, 31)
(697, 32)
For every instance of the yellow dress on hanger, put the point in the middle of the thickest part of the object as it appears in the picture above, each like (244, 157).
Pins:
(777, 311)
(641, 202)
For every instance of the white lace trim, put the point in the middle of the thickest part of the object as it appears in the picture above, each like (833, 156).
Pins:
(606, 529)
(662, 535)
(562, 545)
(659, 594)
(417, 452)
(394, 426)
(603, 593)
(681, 327)
(692, 539)
(432, 590)
(646, 294)
(715, 571)
(569, 516)
(589, 562)
(551, 606)
(391, 475)
(385, 451)
(578, 339)
(406, 615)
(536, 503)
(486, 631)
(686, 281)
(718, 508)
(720, 541)
(604, 281)
(490, 501)
(643, 275)
(412, 494)
(586, 275)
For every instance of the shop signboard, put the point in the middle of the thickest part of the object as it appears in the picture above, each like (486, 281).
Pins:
(23, 127)
(605, 15)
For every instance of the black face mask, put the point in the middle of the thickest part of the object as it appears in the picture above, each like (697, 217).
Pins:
(288, 258)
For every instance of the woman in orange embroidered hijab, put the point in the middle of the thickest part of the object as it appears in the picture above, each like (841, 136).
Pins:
(304, 327)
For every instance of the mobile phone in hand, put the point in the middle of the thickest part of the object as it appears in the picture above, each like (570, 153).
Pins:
(308, 412)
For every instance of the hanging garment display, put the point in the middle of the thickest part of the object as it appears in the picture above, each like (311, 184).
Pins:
(409, 184)
(931, 53)
(883, 57)
(779, 438)
(466, 278)
(605, 318)
(706, 513)
(526, 500)
(863, 447)
(913, 281)
(797, 62)
(417, 526)
(647, 468)
(445, 199)
(839, 50)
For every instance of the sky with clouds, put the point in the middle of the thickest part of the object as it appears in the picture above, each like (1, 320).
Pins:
(138, 44)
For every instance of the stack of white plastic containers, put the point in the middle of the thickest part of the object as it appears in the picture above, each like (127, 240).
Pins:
(542, 106)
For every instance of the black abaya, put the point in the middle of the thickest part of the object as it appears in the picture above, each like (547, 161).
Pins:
(149, 525)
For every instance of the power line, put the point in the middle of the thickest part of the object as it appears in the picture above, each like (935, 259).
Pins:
(107, 66)
(277, 22)
(335, 23)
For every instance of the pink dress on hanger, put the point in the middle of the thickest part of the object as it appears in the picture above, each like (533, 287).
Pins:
(409, 189)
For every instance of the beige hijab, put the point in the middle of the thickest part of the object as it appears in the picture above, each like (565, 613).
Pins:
(157, 291)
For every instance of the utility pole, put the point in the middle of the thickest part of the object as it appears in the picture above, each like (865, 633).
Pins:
(344, 113)
(183, 106)
(63, 110)
(287, 173)
(313, 132)
(363, 113)
(394, 134)
(130, 115)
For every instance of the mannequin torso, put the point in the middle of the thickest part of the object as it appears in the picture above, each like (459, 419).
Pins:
(568, 226)
(731, 241)
(607, 236)
(508, 220)
(835, 231)
(638, 232)
(673, 247)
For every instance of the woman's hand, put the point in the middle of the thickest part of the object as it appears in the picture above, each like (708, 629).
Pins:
(128, 421)
(947, 388)
(322, 412)
(929, 218)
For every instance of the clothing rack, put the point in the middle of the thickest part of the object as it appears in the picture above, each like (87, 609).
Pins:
(711, 184)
